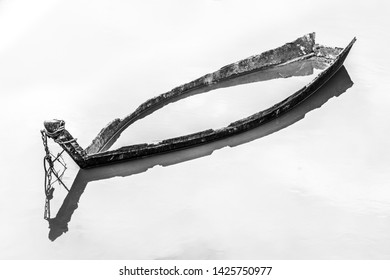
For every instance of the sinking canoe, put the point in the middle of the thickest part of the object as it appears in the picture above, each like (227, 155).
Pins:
(335, 87)
(265, 66)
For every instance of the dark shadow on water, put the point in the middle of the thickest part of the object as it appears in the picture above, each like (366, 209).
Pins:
(337, 85)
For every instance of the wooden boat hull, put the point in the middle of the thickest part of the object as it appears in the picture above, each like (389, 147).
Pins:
(337, 86)
(301, 49)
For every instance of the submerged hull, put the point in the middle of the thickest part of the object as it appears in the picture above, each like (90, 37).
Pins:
(302, 49)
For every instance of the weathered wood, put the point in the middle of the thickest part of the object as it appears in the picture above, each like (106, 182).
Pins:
(339, 84)
(302, 48)
(55, 129)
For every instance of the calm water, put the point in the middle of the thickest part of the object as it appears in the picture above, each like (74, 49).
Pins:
(313, 184)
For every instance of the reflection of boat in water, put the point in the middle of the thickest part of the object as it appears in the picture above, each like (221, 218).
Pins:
(337, 85)
(293, 58)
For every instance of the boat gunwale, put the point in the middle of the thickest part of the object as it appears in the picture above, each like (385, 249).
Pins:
(138, 151)
(231, 128)
(300, 49)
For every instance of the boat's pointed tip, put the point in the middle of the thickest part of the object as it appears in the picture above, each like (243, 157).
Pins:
(353, 41)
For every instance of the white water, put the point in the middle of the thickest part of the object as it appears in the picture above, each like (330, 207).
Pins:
(316, 189)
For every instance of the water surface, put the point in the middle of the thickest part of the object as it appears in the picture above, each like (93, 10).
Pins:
(314, 184)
